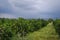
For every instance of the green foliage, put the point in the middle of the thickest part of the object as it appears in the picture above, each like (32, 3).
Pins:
(11, 27)
(46, 33)
(57, 25)
(21, 26)
(50, 20)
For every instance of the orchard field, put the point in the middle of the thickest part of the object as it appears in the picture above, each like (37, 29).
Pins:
(29, 29)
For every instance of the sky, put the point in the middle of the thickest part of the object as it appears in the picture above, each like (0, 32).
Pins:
(30, 8)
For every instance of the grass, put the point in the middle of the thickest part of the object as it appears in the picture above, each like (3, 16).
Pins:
(46, 33)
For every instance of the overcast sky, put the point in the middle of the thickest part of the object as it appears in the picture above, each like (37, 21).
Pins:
(30, 8)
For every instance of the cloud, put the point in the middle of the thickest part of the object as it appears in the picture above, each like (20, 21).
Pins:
(31, 8)
(5, 7)
(5, 15)
(35, 5)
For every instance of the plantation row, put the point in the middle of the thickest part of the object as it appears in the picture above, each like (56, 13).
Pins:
(11, 27)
